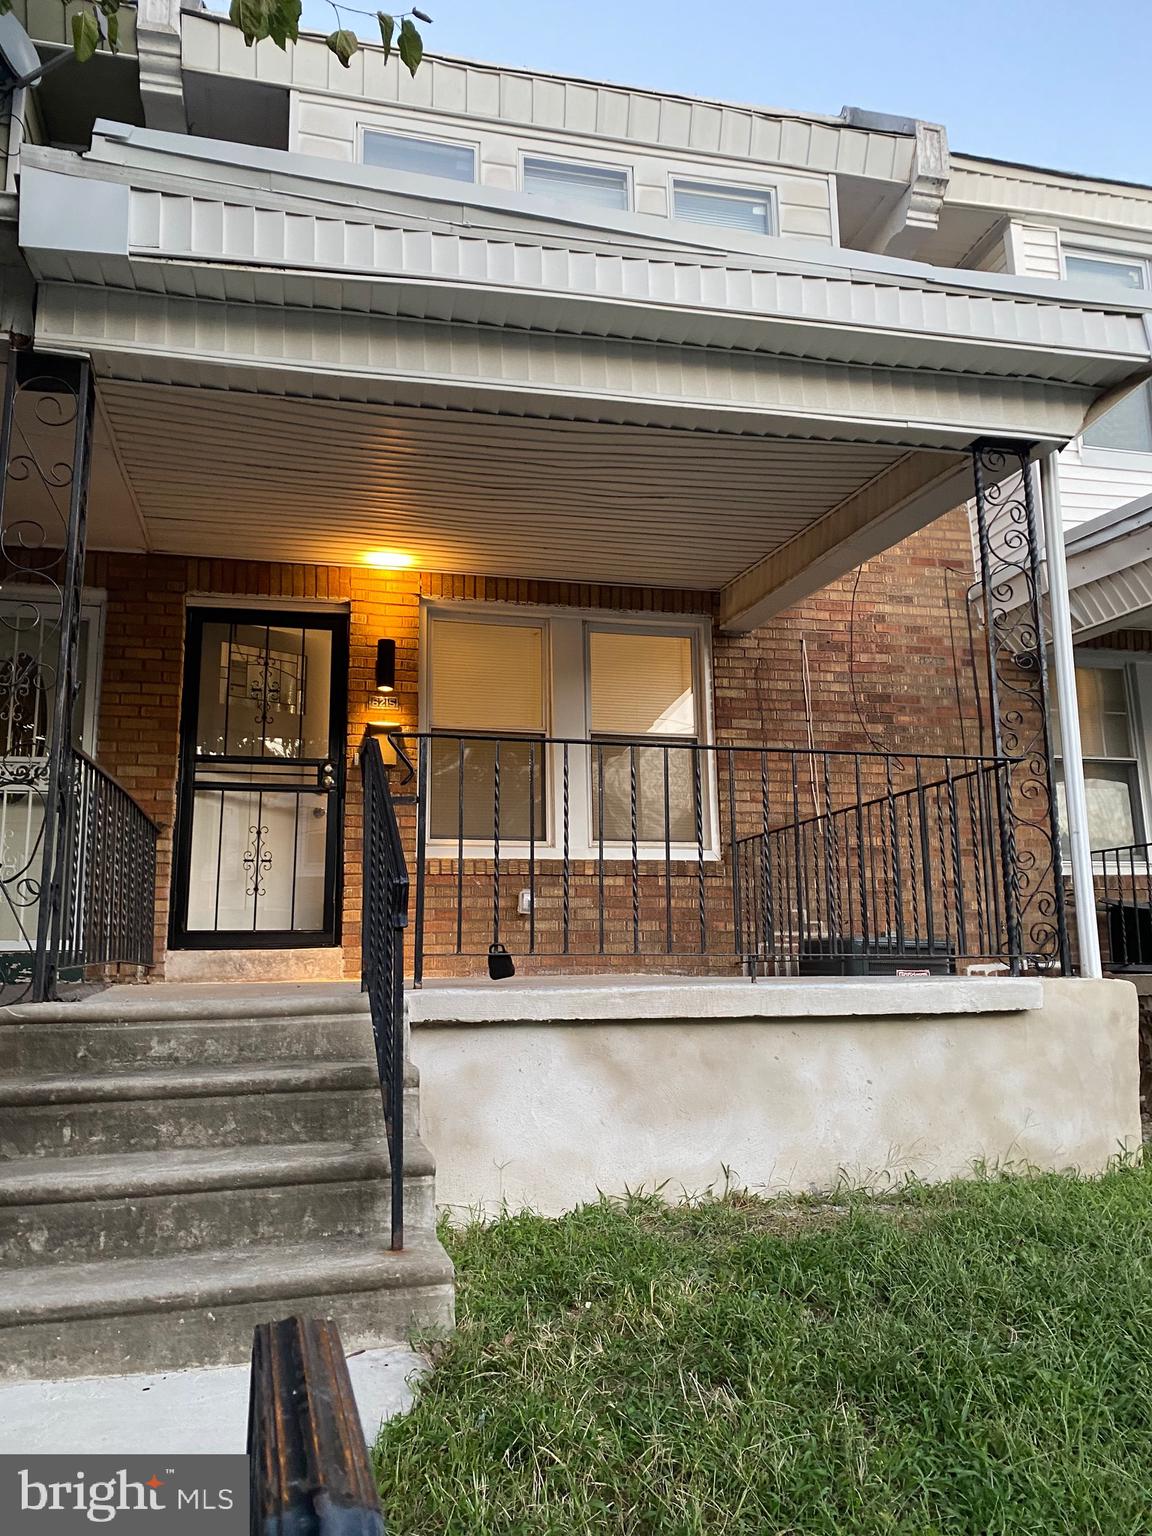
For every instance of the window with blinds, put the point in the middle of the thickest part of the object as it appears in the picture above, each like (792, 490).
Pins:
(1111, 767)
(642, 685)
(425, 157)
(488, 681)
(747, 209)
(570, 182)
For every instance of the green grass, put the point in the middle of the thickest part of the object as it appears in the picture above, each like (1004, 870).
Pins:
(975, 1357)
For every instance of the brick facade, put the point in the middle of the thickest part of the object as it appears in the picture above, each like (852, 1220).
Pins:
(903, 621)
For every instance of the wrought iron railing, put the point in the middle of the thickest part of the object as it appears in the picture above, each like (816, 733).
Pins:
(1124, 901)
(907, 880)
(385, 917)
(108, 892)
(733, 858)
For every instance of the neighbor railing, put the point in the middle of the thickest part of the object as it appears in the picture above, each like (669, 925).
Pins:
(385, 917)
(908, 879)
(735, 858)
(1124, 899)
(107, 896)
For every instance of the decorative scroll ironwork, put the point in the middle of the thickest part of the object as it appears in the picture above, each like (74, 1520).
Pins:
(257, 861)
(1018, 699)
(45, 450)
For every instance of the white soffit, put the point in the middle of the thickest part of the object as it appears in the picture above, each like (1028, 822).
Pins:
(248, 477)
(1110, 569)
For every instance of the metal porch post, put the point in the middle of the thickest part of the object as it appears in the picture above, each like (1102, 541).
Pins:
(1008, 537)
(1076, 800)
(58, 392)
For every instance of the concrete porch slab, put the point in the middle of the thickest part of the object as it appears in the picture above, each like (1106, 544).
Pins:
(181, 1412)
(539, 999)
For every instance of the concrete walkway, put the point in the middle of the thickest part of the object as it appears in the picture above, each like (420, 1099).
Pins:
(182, 1412)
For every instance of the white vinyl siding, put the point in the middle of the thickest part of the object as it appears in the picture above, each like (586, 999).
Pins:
(747, 209)
(805, 202)
(568, 182)
(425, 157)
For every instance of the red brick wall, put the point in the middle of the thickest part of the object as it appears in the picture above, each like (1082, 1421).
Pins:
(914, 688)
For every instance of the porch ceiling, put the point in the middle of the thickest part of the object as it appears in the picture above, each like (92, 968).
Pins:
(220, 473)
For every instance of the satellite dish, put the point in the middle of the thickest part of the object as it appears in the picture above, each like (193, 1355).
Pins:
(18, 54)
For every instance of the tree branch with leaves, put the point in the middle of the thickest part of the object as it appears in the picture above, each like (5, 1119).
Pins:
(97, 22)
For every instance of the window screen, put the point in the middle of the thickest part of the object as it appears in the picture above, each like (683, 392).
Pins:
(741, 208)
(570, 183)
(426, 157)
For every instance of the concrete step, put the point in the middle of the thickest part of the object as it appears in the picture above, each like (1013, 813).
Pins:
(90, 1113)
(78, 1209)
(199, 1309)
(98, 1045)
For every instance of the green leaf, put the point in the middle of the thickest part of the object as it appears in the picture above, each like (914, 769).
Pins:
(284, 22)
(343, 44)
(410, 46)
(253, 17)
(387, 27)
(85, 35)
(112, 25)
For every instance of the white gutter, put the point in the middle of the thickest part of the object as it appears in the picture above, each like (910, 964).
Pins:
(1083, 887)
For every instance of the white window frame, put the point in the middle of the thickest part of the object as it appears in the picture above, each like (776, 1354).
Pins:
(1137, 673)
(590, 162)
(1090, 453)
(708, 182)
(567, 714)
(407, 131)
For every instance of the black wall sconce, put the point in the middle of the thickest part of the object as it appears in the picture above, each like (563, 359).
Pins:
(385, 666)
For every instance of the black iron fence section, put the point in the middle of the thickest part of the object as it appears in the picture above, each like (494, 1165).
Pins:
(911, 879)
(725, 859)
(1124, 901)
(385, 917)
(105, 912)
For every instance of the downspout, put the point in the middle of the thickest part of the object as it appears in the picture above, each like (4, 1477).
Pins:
(1064, 669)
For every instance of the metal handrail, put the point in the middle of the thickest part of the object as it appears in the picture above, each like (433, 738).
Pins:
(384, 919)
(107, 896)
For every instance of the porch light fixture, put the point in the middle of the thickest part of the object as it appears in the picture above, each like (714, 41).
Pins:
(388, 559)
(385, 666)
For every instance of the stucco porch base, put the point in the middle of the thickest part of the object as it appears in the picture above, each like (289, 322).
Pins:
(788, 1087)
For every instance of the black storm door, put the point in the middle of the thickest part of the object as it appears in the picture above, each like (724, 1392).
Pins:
(261, 793)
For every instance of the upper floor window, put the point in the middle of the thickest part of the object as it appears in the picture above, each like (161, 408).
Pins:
(423, 157)
(566, 181)
(1127, 426)
(747, 209)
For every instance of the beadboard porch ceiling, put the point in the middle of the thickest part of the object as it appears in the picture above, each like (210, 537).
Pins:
(231, 475)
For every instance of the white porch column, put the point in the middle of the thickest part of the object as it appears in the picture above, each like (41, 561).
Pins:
(1064, 669)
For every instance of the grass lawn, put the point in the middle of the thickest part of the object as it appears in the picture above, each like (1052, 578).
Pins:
(975, 1357)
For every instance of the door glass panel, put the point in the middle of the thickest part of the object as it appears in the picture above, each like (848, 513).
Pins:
(258, 860)
(265, 691)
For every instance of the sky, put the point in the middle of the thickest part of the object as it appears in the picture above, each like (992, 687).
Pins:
(1065, 84)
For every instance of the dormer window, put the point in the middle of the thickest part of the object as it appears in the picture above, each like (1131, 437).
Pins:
(750, 210)
(565, 181)
(420, 157)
